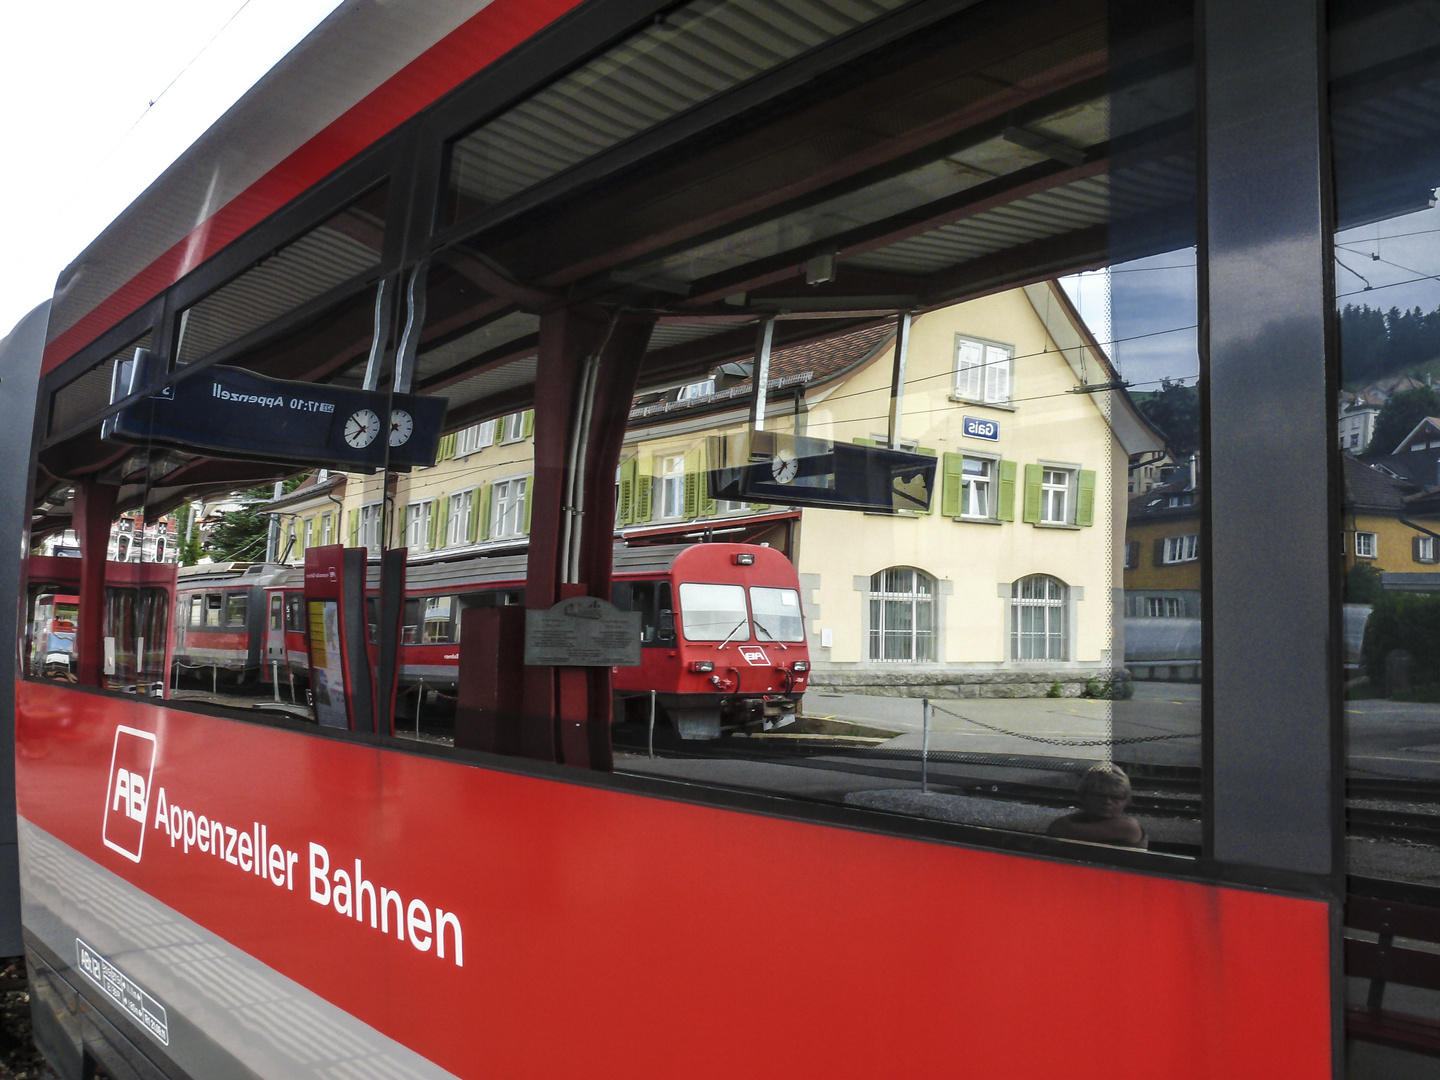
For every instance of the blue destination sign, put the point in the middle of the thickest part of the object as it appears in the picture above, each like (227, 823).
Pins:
(232, 413)
(979, 428)
(795, 470)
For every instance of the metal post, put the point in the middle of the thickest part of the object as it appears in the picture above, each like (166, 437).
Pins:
(652, 723)
(419, 700)
(897, 375)
(214, 680)
(760, 374)
(292, 685)
(925, 746)
(275, 678)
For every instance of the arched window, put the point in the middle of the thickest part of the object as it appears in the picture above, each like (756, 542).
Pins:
(1037, 618)
(902, 615)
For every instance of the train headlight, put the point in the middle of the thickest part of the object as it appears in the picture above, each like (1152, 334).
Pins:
(700, 667)
(801, 665)
(743, 559)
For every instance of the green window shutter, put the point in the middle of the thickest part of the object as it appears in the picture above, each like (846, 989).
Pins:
(708, 506)
(863, 442)
(1085, 498)
(527, 424)
(529, 502)
(625, 497)
(1005, 504)
(951, 480)
(434, 532)
(934, 502)
(354, 528)
(472, 528)
(447, 448)
(480, 516)
(759, 506)
(404, 522)
(644, 482)
(692, 484)
(1032, 494)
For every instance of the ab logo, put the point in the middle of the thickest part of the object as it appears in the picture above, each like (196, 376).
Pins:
(753, 656)
(128, 796)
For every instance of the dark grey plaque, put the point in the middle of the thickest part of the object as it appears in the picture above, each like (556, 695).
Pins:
(584, 631)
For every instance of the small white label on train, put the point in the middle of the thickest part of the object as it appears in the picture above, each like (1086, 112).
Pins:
(124, 991)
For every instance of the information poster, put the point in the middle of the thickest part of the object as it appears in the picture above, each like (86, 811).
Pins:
(326, 678)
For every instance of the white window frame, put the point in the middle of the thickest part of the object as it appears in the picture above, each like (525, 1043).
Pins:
(1367, 545)
(890, 605)
(507, 507)
(1056, 501)
(984, 371)
(511, 428)
(1053, 634)
(977, 489)
(1426, 548)
(327, 527)
(1181, 549)
(369, 530)
(1164, 607)
(417, 525)
(457, 520)
(703, 388)
(669, 487)
(467, 440)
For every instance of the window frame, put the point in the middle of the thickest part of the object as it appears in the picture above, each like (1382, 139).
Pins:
(959, 391)
(516, 489)
(1367, 540)
(1054, 607)
(924, 644)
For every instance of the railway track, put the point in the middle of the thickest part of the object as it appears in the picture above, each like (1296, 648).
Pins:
(1161, 791)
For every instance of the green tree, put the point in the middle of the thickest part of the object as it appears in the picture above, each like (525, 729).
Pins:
(241, 534)
(1175, 410)
(1399, 417)
(1362, 584)
(189, 550)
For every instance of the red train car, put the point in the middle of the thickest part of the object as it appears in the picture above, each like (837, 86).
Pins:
(138, 641)
(220, 618)
(722, 630)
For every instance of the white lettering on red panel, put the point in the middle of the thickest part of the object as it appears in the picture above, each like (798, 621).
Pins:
(754, 656)
(250, 850)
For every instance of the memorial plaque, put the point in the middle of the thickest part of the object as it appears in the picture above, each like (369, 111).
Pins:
(584, 631)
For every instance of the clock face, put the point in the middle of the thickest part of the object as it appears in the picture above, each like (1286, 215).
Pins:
(783, 466)
(361, 428)
(401, 426)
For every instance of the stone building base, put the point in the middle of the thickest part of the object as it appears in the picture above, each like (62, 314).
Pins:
(950, 683)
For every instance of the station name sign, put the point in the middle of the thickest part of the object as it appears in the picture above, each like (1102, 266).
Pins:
(233, 413)
(977, 427)
(795, 470)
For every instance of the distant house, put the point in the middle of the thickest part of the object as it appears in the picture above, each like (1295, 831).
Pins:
(1390, 524)
(1416, 458)
(1162, 549)
(1357, 423)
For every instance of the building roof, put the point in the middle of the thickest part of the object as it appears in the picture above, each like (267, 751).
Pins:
(810, 363)
(309, 488)
(1174, 499)
(1368, 488)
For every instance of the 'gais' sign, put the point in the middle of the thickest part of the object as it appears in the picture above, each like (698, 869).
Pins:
(132, 764)
(979, 428)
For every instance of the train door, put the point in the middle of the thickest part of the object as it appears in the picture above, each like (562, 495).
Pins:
(275, 631)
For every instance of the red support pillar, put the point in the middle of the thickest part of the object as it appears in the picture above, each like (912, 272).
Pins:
(94, 510)
(567, 710)
(614, 395)
(567, 337)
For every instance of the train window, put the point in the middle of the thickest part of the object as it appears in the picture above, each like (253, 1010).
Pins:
(236, 606)
(439, 620)
(277, 612)
(197, 610)
(713, 612)
(84, 398)
(214, 604)
(1384, 72)
(294, 613)
(777, 614)
(327, 257)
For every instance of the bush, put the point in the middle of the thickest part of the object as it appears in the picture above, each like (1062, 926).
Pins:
(1408, 621)
(1056, 690)
(1362, 584)
(1114, 688)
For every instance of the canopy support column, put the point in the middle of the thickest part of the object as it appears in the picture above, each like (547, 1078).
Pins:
(94, 511)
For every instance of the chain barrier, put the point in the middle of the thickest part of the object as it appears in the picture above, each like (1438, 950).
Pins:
(1065, 742)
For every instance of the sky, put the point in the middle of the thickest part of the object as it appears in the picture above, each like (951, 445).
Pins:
(81, 136)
